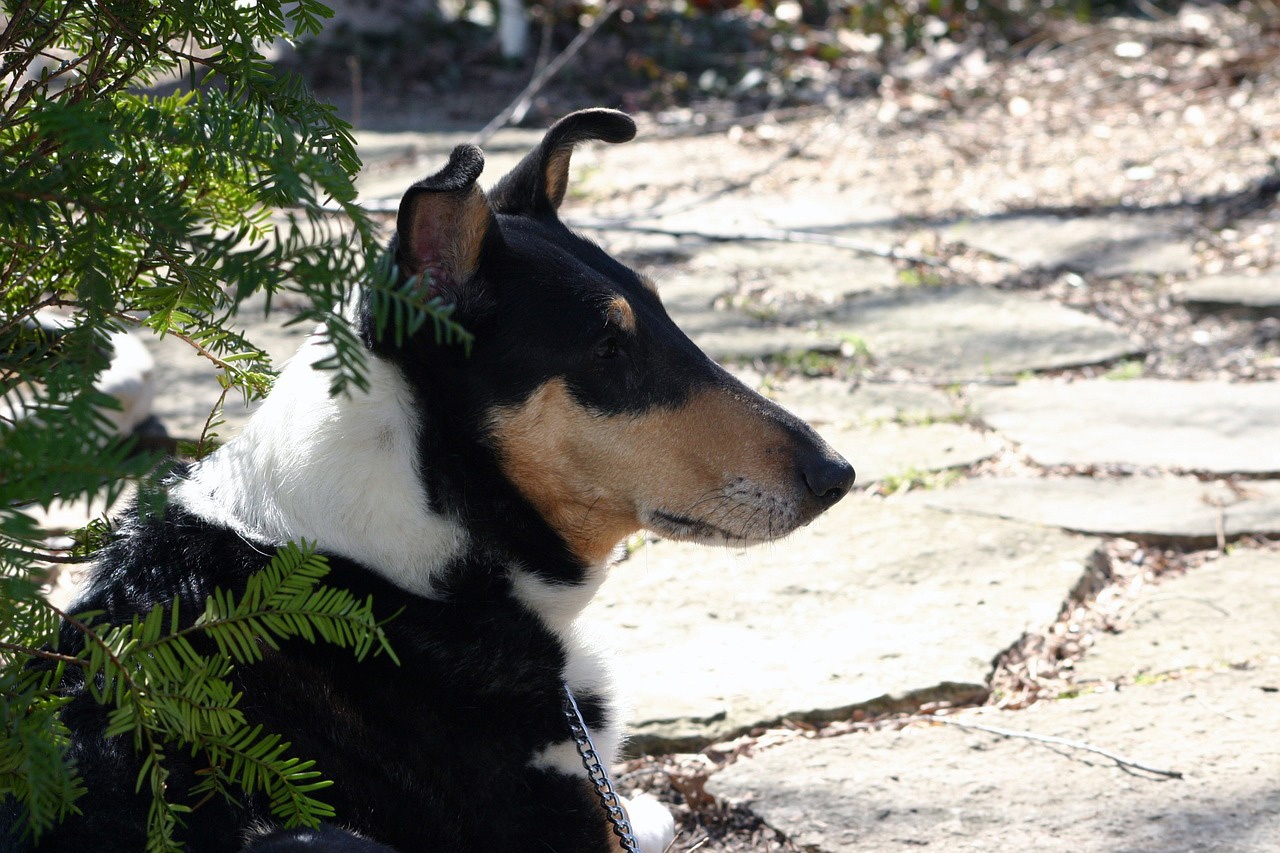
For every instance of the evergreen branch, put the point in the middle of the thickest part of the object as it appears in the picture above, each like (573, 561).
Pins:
(43, 654)
(210, 422)
(162, 816)
(34, 767)
(258, 761)
(282, 600)
(122, 205)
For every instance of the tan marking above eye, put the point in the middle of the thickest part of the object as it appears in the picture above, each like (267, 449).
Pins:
(591, 476)
(621, 315)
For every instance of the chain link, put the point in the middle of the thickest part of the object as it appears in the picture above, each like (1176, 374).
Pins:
(597, 774)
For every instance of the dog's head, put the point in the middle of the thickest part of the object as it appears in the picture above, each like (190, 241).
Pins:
(593, 405)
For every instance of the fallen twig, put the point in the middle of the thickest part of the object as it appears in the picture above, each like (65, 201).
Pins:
(778, 235)
(1057, 741)
(521, 103)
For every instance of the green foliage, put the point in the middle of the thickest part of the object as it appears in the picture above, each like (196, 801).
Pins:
(1130, 368)
(155, 171)
(913, 479)
(33, 742)
(166, 694)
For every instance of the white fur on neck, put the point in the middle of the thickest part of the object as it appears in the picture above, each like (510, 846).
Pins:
(556, 604)
(588, 671)
(341, 472)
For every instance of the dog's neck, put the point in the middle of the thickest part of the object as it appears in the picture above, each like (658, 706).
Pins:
(340, 472)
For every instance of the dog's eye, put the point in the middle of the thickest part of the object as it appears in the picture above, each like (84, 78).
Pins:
(607, 348)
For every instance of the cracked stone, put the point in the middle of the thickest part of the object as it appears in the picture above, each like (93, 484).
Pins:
(1180, 508)
(970, 333)
(1102, 245)
(874, 602)
(1220, 614)
(1189, 426)
(946, 788)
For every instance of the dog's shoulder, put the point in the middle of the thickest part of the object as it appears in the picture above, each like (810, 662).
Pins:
(160, 552)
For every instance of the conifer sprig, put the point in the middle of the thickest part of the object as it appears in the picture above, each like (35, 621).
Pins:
(122, 208)
(164, 694)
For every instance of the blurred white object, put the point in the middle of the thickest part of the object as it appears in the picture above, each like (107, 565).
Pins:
(131, 380)
(513, 29)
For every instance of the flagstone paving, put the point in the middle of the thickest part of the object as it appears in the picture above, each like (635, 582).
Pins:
(818, 275)
(1105, 245)
(1158, 508)
(1222, 615)
(1208, 645)
(945, 788)
(972, 333)
(721, 640)
(1188, 426)
(895, 451)
(824, 400)
(1226, 291)
(952, 334)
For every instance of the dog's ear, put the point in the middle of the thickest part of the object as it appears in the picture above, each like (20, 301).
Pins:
(538, 184)
(442, 222)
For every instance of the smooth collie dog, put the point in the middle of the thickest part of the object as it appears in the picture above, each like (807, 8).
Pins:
(477, 497)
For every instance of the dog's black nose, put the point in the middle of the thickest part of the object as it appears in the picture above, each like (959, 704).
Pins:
(829, 477)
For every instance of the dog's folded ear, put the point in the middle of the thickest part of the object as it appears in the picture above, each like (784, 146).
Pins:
(442, 222)
(538, 184)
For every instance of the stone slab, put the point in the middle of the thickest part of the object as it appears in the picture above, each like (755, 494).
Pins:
(940, 787)
(890, 450)
(905, 403)
(1189, 426)
(697, 183)
(1244, 291)
(824, 274)
(1103, 245)
(1224, 613)
(958, 333)
(728, 336)
(823, 400)
(1146, 507)
(696, 305)
(891, 430)
(874, 601)
(859, 212)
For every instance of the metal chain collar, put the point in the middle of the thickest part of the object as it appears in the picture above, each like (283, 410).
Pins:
(597, 774)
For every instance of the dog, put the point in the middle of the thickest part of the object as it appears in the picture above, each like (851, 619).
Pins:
(477, 497)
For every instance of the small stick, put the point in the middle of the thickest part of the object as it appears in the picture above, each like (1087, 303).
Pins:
(1057, 741)
(540, 79)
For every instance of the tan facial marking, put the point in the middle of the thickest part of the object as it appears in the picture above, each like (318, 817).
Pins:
(717, 459)
(621, 315)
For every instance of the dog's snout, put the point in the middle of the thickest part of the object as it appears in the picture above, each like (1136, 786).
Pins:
(828, 476)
